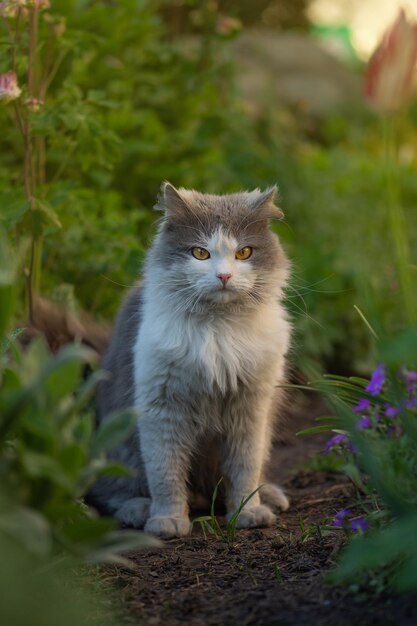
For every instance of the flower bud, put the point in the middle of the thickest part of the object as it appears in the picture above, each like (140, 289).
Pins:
(9, 89)
(391, 70)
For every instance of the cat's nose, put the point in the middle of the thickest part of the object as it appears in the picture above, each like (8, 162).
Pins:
(224, 278)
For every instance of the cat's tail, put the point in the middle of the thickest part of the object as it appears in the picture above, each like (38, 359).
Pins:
(60, 327)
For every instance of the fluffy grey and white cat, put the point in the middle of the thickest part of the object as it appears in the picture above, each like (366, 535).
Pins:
(199, 348)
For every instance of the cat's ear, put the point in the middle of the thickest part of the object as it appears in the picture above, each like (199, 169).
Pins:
(171, 201)
(264, 204)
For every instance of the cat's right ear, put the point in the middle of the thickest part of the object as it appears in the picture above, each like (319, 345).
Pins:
(171, 201)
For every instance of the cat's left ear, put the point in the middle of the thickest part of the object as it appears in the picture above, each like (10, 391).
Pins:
(264, 204)
(171, 201)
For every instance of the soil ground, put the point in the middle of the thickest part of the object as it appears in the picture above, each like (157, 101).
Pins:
(274, 576)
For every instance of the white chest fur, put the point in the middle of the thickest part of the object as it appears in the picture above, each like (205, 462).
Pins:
(219, 349)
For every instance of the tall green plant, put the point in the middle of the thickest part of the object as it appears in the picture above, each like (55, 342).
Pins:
(50, 452)
(376, 427)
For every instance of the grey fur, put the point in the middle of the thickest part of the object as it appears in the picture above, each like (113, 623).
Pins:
(212, 413)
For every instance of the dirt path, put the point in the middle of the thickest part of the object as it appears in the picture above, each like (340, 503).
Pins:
(268, 577)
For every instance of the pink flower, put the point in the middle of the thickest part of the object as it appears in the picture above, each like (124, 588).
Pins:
(10, 8)
(9, 89)
(390, 74)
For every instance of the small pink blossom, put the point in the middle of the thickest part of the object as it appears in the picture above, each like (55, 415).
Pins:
(390, 75)
(10, 8)
(9, 89)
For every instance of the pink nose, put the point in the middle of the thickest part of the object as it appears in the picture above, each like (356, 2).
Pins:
(224, 278)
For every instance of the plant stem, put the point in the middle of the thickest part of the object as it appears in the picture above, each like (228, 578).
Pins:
(30, 172)
(397, 222)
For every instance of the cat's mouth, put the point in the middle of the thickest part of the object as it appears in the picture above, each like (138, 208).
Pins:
(223, 294)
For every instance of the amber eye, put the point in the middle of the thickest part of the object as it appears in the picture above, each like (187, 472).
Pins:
(200, 253)
(244, 253)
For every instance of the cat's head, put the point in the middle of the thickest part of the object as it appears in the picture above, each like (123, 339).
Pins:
(219, 249)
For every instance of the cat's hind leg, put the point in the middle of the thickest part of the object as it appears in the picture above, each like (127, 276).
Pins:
(273, 497)
(133, 512)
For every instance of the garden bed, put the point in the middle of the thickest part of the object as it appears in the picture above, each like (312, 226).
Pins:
(269, 576)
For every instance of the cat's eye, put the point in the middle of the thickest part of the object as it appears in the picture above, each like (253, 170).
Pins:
(244, 253)
(200, 253)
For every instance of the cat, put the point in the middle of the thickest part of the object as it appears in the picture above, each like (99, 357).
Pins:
(199, 348)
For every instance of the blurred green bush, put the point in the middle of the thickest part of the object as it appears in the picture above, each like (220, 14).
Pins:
(50, 454)
(130, 106)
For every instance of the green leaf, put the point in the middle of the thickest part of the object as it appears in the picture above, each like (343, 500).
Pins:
(46, 212)
(28, 527)
(324, 428)
(39, 465)
(114, 430)
(121, 541)
(83, 394)
(12, 211)
(354, 474)
(72, 459)
(97, 468)
(63, 379)
(88, 530)
(406, 579)
(9, 339)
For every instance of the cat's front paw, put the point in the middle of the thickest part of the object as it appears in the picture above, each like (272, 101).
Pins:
(168, 527)
(134, 512)
(255, 516)
(274, 497)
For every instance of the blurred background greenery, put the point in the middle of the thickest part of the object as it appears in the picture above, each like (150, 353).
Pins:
(217, 96)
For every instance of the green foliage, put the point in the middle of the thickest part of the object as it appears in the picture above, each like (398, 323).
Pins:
(128, 105)
(50, 453)
(42, 591)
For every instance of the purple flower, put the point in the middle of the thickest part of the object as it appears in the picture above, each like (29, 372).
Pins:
(352, 448)
(411, 377)
(362, 405)
(377, 380)
(411, 403)
(359, 524)
(393, 430)
(334, 441)
(364, 422)
(339, 518)
(411, 382)
(391, 411)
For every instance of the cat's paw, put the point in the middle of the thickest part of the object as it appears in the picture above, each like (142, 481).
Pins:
(134, 512)
(273, 496)
(168, 527)
(255, 516)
